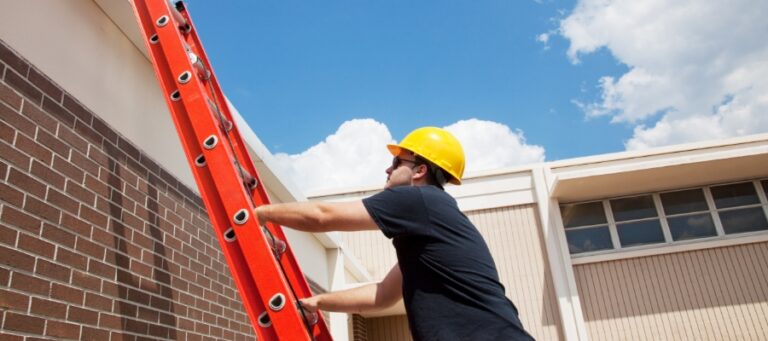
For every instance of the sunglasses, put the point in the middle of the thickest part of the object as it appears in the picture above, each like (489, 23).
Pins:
(397, 161)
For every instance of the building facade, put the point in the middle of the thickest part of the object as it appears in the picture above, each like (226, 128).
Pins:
(104, 236)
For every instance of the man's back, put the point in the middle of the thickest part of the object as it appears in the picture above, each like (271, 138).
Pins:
(451, 287)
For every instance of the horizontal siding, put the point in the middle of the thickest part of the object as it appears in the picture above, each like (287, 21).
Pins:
(712, 294)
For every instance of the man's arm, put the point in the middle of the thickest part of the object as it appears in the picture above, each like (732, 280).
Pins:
(370, 297)
(318, 216)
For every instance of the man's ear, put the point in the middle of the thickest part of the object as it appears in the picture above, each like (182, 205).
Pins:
(422, 171)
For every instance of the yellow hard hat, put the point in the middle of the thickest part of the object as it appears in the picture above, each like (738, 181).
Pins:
(437, 146)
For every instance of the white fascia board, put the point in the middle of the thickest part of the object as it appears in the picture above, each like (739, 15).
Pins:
(613, 161)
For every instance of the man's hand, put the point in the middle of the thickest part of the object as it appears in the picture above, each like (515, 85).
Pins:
(310, 304)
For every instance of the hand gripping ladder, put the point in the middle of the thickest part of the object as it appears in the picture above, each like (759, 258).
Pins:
(262, 263)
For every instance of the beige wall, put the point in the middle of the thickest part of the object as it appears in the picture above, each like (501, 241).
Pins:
(712, 294)
(515, 242)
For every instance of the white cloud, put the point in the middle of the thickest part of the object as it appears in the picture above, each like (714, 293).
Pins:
(699, 68)
(490, 145)
(355, 155)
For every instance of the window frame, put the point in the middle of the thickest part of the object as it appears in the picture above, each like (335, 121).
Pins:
(663, 219)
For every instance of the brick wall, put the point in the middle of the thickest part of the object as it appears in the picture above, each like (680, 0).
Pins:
(98, 241)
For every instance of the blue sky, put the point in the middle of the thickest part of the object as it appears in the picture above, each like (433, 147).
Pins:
(556, 79)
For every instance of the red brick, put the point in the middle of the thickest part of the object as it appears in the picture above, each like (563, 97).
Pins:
(48, 308)
(42, 209)
(149, 164)
(88, 133)
(11, 195)
(110, 321)
(84, 163)
(26, 183)
(104, 237)
(62, 201)
(105, 130)
(5, 275)
(10, 300)
(63, 330)
(98, 302)
(138, 327)
(146, 314)
(101, 269)
(20, 219)
(75, 260)
(33, 149)
(68, 169)
(158, 331)
(68, 136)
(53, 143)
(13, 156)
(80, 192)
(121, 336)
(36, 245)
(67, 293)
(47, 175)
(40, 118)
(93, 334)
(128, 175)
(58, 235)
(78, 109)
(27, 89)
(14, 119)
(30, 284)
(138, 296)
(13, 60)
(7, 134)
(85, 316)
(110, 208)
(141, 269)
(24, 323)
(58, 112)
(89, 248)
(111, 179)
(43, 83)
(97, 186)
(75, 224)
(9, 96)
(52, 270)
(93, 216)
(143, 240)
(86, 281)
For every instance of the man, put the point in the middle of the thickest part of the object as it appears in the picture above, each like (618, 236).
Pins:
(445, 273)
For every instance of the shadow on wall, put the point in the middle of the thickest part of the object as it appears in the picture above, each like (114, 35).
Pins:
(135, 317)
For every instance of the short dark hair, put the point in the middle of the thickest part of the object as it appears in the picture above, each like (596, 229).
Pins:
(435, 175)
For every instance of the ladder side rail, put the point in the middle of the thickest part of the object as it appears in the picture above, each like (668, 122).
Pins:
(206, 185)
(219, 159)
(287, 259)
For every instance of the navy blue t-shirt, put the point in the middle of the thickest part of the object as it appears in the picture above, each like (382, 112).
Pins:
(451, 288)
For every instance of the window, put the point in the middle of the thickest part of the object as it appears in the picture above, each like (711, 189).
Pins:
(586, 227)
(637, 222)
(687, 214)
(739, 208)
(666, 217)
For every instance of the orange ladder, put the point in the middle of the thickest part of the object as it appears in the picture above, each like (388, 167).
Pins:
(262, 264)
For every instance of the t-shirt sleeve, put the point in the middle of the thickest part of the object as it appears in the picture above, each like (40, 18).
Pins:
(399, 211)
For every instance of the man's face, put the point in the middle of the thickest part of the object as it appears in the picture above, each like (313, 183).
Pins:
(400, 172)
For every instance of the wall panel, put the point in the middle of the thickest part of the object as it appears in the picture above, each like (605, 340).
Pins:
(711, 294)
